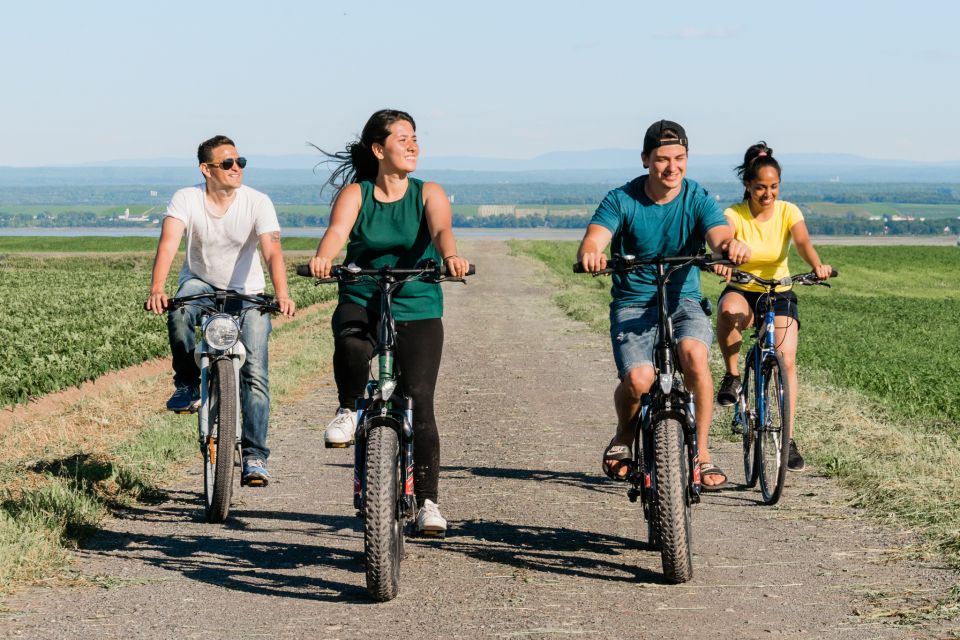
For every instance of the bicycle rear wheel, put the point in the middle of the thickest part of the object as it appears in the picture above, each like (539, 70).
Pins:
(773, 440)
(672, 510)
(218, 451)
(748, 436)
(382, 531)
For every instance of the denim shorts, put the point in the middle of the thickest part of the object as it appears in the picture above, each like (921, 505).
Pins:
(633, 331)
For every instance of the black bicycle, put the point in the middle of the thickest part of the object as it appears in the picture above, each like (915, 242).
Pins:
(220, 354)
(764, 424)
(383, 491)
(665, 470)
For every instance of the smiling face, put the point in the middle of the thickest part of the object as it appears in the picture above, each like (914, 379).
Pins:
(667, 165)
(399, 152)
(218, 178)
(764, 189)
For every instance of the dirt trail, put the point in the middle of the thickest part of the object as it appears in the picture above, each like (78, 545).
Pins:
(540, 545)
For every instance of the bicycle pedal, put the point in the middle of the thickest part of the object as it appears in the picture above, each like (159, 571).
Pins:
(337, 445)
(184, 412)
(432, 534)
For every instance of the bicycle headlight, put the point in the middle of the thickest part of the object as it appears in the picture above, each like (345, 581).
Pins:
(221, 332)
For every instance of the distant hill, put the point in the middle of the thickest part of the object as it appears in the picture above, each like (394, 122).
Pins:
(599, 166)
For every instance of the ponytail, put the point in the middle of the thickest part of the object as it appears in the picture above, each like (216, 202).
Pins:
(756, 157)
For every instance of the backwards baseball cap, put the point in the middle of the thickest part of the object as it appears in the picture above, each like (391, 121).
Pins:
(655, 135)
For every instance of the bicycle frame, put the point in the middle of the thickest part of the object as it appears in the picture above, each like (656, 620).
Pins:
(667, 398)
(379, 403)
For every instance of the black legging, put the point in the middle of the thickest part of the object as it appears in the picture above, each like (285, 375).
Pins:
(417, 356)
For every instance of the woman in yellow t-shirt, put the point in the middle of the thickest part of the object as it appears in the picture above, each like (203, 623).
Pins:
(766, 225)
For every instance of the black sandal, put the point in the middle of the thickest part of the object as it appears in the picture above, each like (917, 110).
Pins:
(710, 469)
(616, 453)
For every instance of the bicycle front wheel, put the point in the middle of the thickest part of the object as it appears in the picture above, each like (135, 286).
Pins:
(773, 438)
(218, 451)
(672, 510)
(382, 531)
(751, 465)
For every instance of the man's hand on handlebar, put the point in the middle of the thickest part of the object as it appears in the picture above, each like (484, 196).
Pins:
(737, 252)
(320, 267)
(156, 302)
(593, 261)
(287, 306)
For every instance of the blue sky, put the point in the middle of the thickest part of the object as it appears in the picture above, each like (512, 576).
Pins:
(86, 82)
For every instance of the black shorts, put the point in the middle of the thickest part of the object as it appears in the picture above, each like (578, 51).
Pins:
(784, 304)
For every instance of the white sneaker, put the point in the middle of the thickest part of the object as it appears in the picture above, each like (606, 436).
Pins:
(339, 433)
(429, 520)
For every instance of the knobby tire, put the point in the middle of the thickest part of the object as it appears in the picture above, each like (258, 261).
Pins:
(382, 533)
(218, 460)
(673, 511)
(774, 441)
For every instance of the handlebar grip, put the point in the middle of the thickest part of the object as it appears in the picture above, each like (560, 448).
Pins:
(472, 270)
(303, 270)
(834, 273)
(578, 267)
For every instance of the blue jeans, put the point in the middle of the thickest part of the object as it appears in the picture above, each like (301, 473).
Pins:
(634, 331)
(254, 378)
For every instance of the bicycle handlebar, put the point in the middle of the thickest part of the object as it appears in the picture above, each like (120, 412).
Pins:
(341, 272)
(264, 302)
(809, 279)
(624, 264)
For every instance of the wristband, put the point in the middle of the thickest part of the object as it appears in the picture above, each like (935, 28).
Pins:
(452, 255)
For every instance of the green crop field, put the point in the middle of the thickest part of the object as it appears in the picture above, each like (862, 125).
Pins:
(888, 209)
(69, 319)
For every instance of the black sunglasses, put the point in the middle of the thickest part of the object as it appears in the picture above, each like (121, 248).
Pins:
(227, 164)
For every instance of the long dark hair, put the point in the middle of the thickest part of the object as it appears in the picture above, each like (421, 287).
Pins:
(757, 157)
(357, 162)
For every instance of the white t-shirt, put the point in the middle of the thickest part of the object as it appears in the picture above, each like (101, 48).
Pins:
(222, 251)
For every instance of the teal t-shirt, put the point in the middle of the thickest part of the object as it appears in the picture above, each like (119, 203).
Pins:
(644, 229)
(393, 234)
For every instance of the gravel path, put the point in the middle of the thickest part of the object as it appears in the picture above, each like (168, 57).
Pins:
(540, 546)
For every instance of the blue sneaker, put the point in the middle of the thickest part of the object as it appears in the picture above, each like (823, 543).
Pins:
(255, 473)
(186, 399)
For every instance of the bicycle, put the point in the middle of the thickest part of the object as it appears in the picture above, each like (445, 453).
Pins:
(383, 491)
(763, 427)
(219, 355)
(665, 470)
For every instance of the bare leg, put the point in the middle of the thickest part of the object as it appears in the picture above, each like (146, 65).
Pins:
(626, 399)
(733, 318)
(696, 375)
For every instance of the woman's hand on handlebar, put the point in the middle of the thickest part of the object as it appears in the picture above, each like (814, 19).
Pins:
(725, 271)
(320, 267)
(457, 267)
(156, 302)
(593, 261)
(823, 272)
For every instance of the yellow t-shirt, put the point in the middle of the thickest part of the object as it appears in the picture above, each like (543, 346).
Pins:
(768, 241)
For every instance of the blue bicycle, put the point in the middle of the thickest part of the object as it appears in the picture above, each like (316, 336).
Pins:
(764, 426)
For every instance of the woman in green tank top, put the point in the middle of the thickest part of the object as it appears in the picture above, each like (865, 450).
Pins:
(390, 219)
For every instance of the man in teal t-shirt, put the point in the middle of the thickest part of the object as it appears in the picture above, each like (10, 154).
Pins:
(659, 214)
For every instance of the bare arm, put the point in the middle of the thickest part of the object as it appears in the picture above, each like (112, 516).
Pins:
(342, 218)
(273, 256)
(721, 240)
(170, 235)
(440, 223)
(801, 240)
(591, 252)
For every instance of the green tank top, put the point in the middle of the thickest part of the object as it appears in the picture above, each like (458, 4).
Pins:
(393, 234)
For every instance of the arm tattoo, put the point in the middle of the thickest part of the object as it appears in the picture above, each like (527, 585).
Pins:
(275, 236)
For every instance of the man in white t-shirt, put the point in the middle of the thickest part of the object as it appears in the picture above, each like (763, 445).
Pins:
(223, 221)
